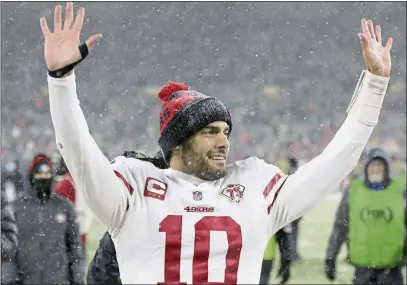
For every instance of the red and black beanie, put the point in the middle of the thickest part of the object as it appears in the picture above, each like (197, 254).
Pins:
(36, 165)
(184, 113)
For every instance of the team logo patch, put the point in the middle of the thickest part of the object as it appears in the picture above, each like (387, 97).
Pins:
(197, 195)
(60, 218)
(234, 192)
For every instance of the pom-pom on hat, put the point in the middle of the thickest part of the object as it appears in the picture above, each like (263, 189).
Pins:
(184, 113)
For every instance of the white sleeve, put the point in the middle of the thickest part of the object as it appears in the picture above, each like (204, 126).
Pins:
(105, 193)
(292, 196)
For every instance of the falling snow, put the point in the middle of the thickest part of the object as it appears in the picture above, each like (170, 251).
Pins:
(286, 71)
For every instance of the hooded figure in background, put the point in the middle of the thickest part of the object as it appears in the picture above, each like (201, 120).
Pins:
(104, 269)
(372, 219)
(49, 249)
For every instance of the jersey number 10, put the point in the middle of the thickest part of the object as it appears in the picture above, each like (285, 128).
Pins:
(172, 226)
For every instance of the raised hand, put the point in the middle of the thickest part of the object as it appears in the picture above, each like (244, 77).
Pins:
(62, 46)
(377, 56)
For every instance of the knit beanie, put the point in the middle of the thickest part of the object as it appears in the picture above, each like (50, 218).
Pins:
(184, 113)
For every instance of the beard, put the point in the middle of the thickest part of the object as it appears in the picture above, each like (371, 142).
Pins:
(198, 164)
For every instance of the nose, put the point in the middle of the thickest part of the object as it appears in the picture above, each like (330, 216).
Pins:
(222, 141)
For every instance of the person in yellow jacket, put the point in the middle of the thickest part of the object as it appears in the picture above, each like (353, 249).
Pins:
(283, 239)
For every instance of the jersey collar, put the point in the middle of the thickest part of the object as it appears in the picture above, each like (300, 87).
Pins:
(181, 175)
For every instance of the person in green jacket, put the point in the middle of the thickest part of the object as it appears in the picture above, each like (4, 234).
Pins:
(283, 239)
(371, 218)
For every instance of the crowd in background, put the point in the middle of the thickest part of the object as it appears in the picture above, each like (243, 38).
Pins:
(286, 71)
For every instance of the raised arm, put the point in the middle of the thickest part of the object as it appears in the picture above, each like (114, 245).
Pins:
(105, 193)
(295, 194)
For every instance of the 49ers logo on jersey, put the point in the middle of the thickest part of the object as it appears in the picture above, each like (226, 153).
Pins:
(155, 188)
(234, 192)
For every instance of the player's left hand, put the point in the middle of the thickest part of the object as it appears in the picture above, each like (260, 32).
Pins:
(377, 56)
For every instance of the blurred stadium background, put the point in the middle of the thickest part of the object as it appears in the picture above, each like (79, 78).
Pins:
(286, 70)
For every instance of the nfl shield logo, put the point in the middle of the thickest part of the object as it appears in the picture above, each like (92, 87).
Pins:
(197, 195)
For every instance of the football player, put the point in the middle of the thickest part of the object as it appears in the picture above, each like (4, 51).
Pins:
(201, 220)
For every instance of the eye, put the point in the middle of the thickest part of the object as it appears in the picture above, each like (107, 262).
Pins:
(207, 132)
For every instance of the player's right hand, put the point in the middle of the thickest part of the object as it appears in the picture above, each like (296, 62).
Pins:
(377, 56)
(62, 46)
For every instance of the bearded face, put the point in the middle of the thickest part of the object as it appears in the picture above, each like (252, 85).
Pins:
(204, 155)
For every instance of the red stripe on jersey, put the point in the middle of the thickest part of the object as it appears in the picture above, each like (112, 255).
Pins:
(271, 184)
(128, 186)
(275, 197)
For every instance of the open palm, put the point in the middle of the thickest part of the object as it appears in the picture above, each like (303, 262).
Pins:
(61, 46)
(377, 56)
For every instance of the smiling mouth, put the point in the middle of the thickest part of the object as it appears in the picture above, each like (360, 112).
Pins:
(218, 157)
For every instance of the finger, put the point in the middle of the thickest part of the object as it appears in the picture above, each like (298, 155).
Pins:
(365, 29)
(80, 15)
(68, 15)
(57, 18)
(389, 43)
(371, 29)
(91, 41)
(363, 41)
(379, 34)
(44, 27)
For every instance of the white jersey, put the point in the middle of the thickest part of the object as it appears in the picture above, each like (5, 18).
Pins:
(184, 229)
(169, 227)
